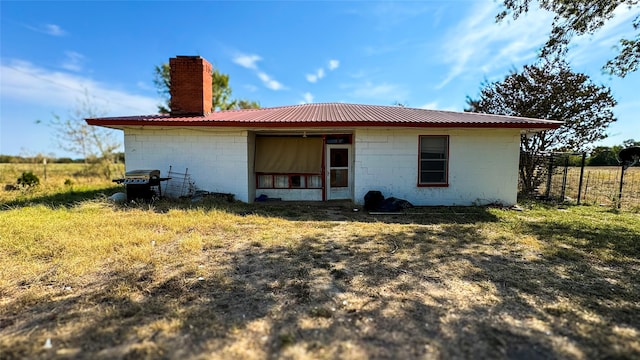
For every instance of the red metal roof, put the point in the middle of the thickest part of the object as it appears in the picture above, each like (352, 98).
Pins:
(334, 115)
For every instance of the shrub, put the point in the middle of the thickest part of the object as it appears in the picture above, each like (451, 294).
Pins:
(28, 179)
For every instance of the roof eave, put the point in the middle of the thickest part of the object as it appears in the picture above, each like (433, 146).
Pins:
(119, 123)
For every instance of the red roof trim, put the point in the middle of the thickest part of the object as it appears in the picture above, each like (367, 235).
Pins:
(308, 124)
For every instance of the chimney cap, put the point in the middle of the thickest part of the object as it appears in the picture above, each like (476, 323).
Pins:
(189, 56)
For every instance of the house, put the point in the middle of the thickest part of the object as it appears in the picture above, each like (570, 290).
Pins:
(327, 151)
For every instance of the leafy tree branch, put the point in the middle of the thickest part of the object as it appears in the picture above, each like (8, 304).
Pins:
(580, 17)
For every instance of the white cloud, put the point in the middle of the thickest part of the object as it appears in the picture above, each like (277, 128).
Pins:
(144, 86)
(29, 84)
(435, 105)
(320, 73)
(308, 98)
(479, 43)
(250, 62)
(55, 30)
(247, 61)
(603, 42)
(359, 74)
(269, 82)
(368, 91)
(49, 29)
(73, 61)
(430, 106)
(251, 88)
(312, 78)
(387, 15)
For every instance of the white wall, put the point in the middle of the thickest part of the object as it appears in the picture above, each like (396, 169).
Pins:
(483, 163)
(217, 161)
(483, 166)
(251, 155)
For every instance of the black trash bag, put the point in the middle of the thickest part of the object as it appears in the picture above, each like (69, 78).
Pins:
(393, 204)
(373, 199)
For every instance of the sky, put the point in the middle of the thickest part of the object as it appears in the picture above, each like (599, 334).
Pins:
(425, 54)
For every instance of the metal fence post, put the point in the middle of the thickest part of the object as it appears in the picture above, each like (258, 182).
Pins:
(549, 175)
(584, 157)
(563, 189)
(620, 191)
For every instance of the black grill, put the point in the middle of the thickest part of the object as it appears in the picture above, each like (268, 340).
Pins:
(142, 184)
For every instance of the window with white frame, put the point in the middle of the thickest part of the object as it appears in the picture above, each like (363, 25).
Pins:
(433, 160)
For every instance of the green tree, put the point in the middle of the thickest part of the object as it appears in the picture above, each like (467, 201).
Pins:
(221, 97)
(549, 90)
(247, 104)
(608, 156)
(162, 81)
(604, 156)
(580, 17)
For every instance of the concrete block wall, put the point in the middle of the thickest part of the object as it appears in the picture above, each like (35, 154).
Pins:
(216, 161)
(483, 163)
(483, 166)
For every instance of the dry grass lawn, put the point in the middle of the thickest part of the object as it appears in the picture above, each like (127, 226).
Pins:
(601, 185)
(211, 280)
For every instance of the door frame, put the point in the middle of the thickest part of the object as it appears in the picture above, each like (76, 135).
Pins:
(338, 193)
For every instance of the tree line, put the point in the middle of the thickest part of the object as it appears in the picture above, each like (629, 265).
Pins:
(117, 157)
(608, 155)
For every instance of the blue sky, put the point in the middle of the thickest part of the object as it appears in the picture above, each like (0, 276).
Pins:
(427, 54)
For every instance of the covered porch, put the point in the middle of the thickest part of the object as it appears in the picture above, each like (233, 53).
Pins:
(302, 165)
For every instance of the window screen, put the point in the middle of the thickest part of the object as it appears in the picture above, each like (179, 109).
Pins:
(286, 155)
(434, 158)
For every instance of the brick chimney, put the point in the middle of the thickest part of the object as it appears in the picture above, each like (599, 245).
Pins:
(191, 89)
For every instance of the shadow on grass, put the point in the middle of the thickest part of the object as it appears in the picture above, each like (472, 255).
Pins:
(619, 241)
(446, 292)
(294, 211)
(339, 211)
(66, 198)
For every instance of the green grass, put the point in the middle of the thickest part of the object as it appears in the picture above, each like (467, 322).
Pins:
(308, 280)
(62, 185)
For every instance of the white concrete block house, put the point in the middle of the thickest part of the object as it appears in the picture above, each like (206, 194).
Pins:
(327, 151)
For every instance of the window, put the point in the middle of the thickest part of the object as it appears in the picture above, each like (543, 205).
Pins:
(339, 139)
(265, 182)
(288, 162)
(297, 182)
(434, 160)
(281, 181)
(289, 181)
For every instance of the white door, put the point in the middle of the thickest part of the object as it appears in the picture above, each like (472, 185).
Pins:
(339, 182)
